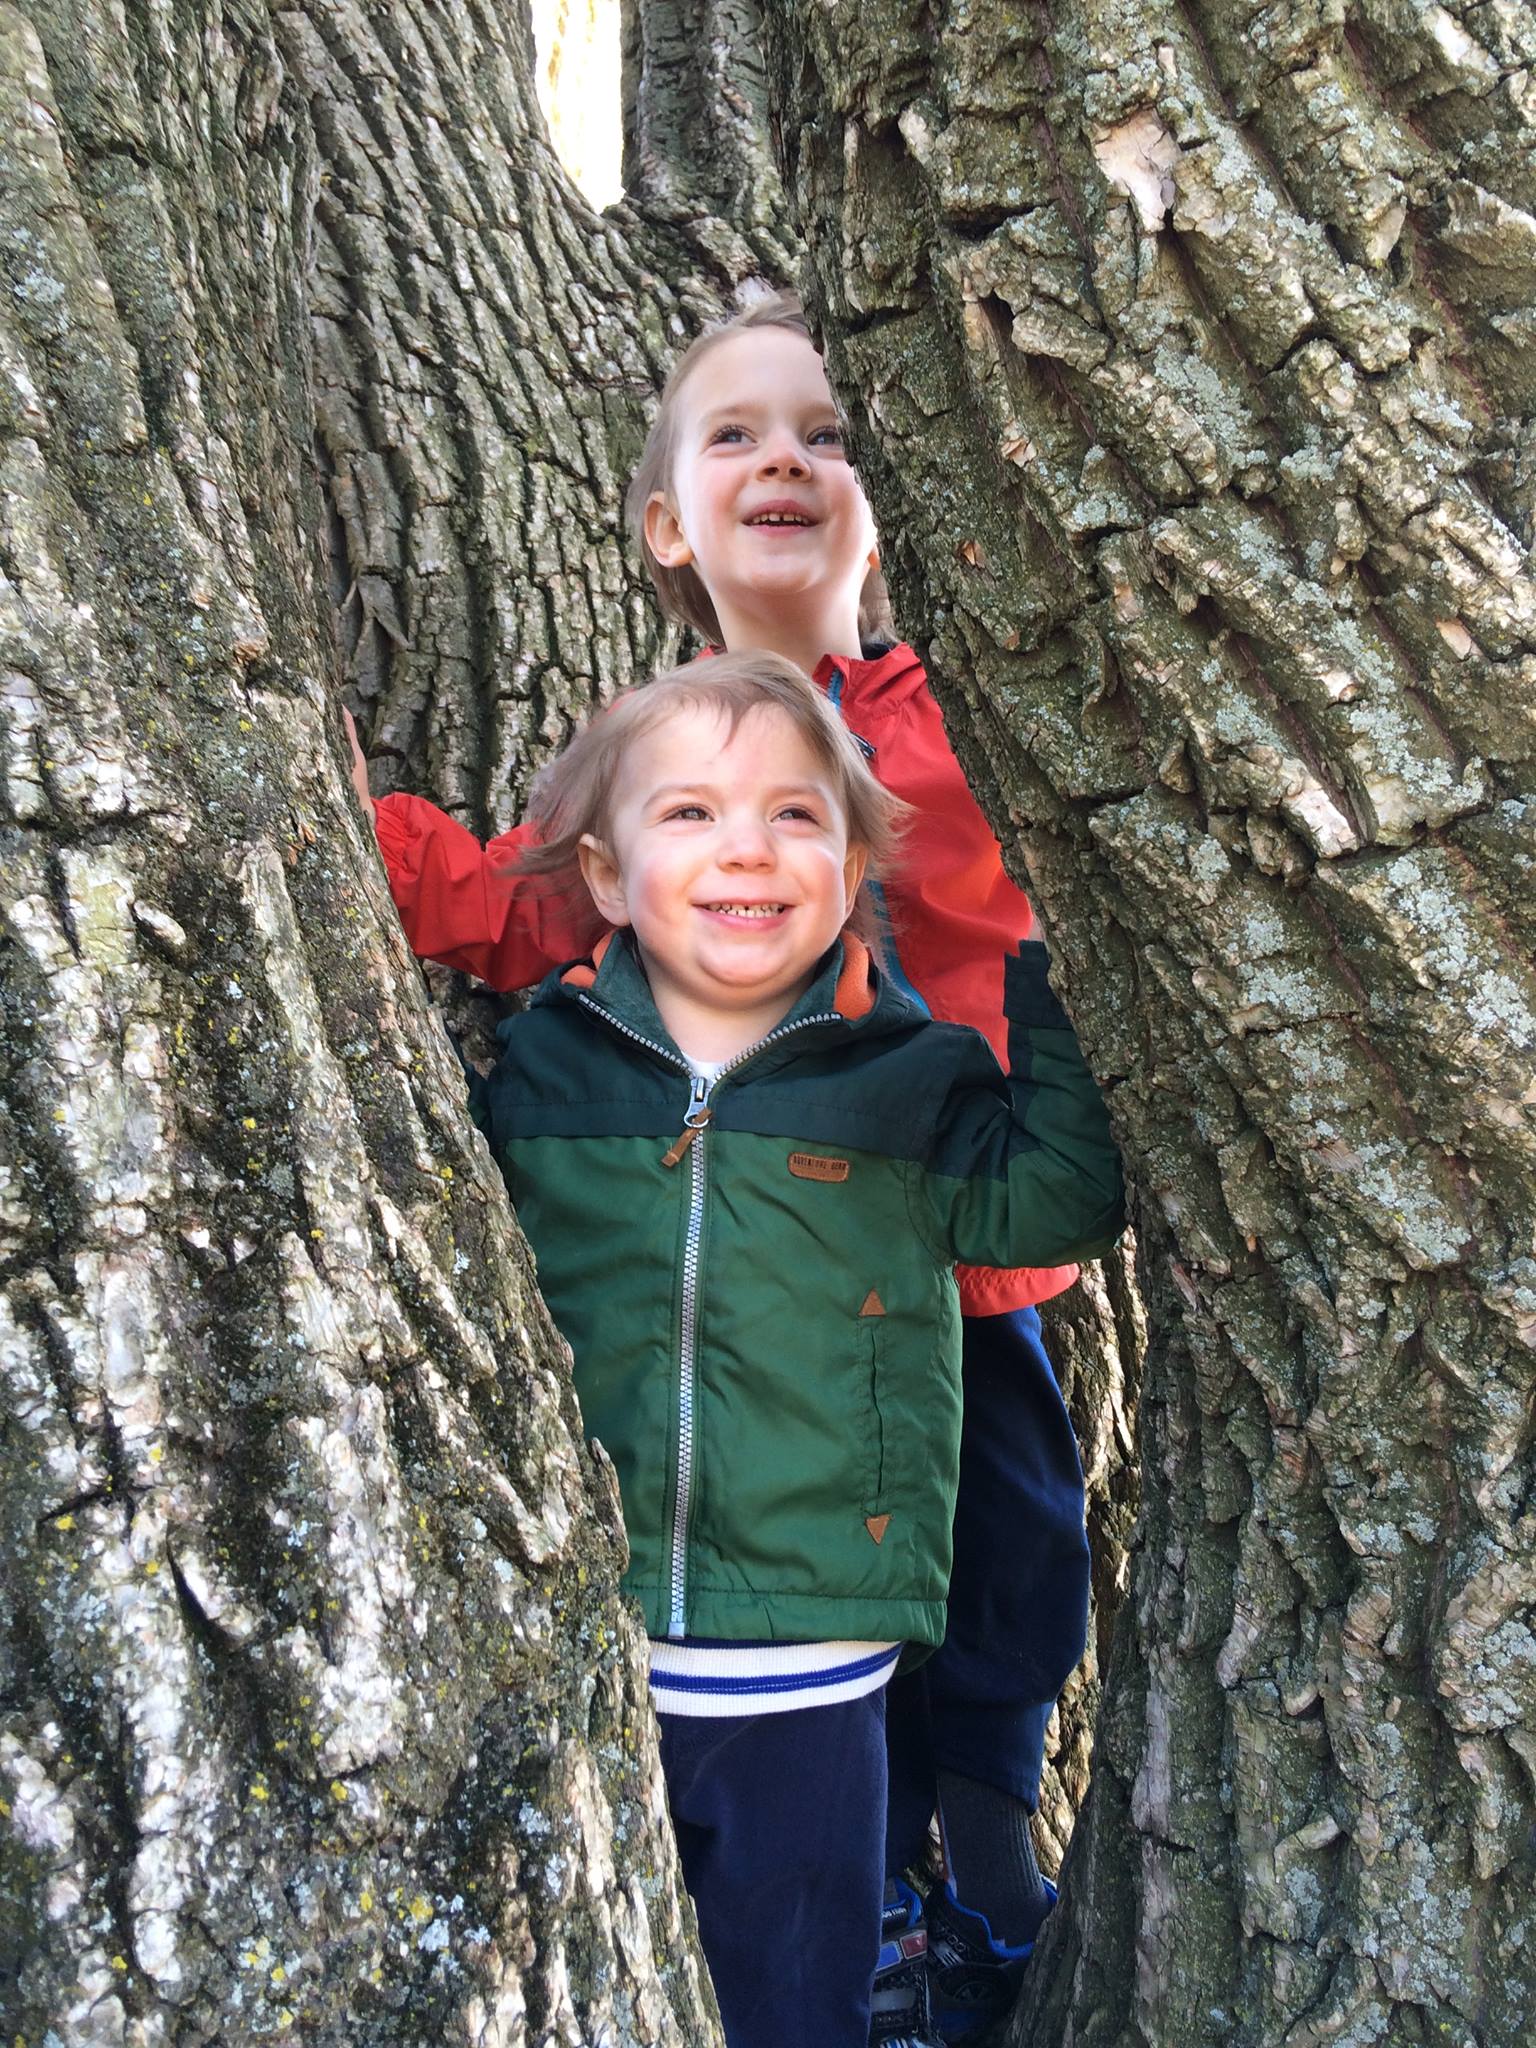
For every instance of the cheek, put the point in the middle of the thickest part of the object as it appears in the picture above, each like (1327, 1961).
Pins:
(712, 503)
(640, 889)
(833, 872)
(655, 889)
(854, 502)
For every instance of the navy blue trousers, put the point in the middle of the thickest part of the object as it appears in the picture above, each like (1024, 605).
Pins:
(780, 1823)
(1018, 1598)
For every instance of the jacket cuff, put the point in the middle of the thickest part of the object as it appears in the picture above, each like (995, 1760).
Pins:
(1028, 997)
(393, 829)
(999, 1291)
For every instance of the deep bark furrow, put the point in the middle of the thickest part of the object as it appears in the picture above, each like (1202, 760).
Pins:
(319, 1710)
(1095, 1336)
(694, 117)
(1181, 349)
(524, 425)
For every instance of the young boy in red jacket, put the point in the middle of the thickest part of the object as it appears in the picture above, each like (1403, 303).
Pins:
(757, 534)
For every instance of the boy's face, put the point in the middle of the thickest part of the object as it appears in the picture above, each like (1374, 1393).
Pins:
(763, 502)
(729, 856)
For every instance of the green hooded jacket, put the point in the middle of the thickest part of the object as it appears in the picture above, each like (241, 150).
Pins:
(756, 1279)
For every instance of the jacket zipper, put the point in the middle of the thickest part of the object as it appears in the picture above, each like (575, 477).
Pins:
(698, 1115)
(689, 1142)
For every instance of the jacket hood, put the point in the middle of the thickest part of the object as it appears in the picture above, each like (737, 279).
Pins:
(881, 673)
(848, 991)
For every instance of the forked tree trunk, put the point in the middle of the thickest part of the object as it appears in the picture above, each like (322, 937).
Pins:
(319, 1712)
(1191, 357)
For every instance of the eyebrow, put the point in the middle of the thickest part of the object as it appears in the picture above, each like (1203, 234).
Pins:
(719, 415)
(776, 794)
(735, 407)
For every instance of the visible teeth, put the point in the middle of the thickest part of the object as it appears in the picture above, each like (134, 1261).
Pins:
(779, 519)
(747, 909)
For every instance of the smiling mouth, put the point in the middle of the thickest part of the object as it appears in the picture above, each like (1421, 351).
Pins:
(780, 519)
(746, 911)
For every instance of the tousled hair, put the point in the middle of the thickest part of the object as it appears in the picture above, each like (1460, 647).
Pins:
(574, 795)
(681, 591)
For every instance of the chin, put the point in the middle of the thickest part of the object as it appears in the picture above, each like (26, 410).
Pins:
(780, 579)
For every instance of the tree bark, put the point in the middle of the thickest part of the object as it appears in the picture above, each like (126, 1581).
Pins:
(1189, 358)
(1095, 1337)
(487, 355)
(320, 1713)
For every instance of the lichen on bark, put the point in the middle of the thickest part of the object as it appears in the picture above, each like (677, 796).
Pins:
(321, 1712)
(1186, 354)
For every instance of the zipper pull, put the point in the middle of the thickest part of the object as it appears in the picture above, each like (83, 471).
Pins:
(699, 1114)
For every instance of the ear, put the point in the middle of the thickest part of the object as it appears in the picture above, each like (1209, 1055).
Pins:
(664, 534)
(873, 563)
(853, 877)
(605, 885)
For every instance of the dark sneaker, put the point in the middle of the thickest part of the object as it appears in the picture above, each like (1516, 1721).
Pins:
(898, 1999)
(972, 1979)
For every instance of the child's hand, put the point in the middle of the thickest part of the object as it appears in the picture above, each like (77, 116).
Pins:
(359, 765)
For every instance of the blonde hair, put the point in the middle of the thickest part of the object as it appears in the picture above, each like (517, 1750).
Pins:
(681, 591)
(574, 794)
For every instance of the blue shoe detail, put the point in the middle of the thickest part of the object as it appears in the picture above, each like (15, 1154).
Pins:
(973, 1978)
(898, 1998)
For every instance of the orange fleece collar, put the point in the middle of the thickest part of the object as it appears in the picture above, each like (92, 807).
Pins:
(854, 997)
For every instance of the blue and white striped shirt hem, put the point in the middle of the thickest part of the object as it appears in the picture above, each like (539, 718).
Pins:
(764, 1678)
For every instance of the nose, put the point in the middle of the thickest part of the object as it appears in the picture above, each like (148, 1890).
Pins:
(782, 455)
(746, 842)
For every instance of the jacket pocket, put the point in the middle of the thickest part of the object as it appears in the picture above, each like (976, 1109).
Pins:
(870, 1394)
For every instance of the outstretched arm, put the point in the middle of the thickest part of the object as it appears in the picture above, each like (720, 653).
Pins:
(462, 903)
(1026, 1174)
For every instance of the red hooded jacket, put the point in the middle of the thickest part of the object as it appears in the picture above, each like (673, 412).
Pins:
(954, 915)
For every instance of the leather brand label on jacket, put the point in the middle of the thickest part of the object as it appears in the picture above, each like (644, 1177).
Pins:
(816, 1166)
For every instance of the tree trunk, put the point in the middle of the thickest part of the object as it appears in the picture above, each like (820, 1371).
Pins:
(1190, 358)
(1095, 1337)
(321, 1713)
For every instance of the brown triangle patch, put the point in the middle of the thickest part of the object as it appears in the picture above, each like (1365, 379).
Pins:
(877, 1526)
(873, 1306)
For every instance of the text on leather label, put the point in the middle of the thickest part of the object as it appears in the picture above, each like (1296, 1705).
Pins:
(815, 1166)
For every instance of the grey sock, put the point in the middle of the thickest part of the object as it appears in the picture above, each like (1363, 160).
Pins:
(992, 1857)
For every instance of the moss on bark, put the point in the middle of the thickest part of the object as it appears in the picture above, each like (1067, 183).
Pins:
(1185, 349)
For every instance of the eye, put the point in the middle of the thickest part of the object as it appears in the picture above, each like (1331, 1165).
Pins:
(830, 436)
(690, 813)
(727, 433)
(799, 814)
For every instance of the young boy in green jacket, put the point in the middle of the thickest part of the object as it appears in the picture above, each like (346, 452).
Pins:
(747, 1165)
